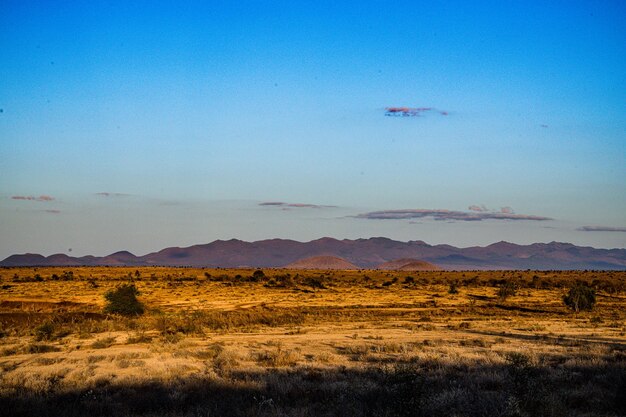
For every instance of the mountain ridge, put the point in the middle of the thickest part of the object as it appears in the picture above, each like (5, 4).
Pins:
(363, 253)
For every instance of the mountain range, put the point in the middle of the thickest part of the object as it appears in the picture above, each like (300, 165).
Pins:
(362, 253)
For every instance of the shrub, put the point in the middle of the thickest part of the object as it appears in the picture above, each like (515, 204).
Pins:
(123, 300)
(103, 343)
(44, 331)
(40, 348)
(580, 297)
(506, 290)
(453, 288)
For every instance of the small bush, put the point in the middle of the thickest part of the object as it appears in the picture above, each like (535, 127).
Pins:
(517, 360)
(278, 358)
(506, 290)
(44, 331)
(123, 300)
(40, 348)
(258, 275)
(453, 288)
(103, 343)
(580, 297)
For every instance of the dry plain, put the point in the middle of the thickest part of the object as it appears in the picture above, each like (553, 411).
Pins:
(221, 342)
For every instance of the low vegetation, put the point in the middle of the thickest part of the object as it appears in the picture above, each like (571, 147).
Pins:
(123, 300)
(251, 342)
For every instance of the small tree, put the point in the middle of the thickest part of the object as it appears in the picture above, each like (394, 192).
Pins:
(580, 297)
(123, 300)
(258, 275)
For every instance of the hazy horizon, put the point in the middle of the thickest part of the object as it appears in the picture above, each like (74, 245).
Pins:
(139, 127)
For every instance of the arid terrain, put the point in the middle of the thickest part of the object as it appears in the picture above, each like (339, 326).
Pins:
(278, 342)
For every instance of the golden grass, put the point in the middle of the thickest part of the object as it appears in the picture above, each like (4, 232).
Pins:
(385, 341)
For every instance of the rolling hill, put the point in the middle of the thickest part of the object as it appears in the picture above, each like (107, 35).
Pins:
(408, 264)
(321, 262)
(361, 253)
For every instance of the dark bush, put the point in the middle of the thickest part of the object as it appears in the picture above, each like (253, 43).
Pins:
(123, 300)
(506, 290)
(453, 288)
(580, 297)
(44, 331)
(314, 283)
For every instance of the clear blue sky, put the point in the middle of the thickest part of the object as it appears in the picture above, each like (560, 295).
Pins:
(195, 113)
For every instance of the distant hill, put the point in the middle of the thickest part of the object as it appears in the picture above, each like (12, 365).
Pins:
(322, 262)
(360, 253)
(408, 264)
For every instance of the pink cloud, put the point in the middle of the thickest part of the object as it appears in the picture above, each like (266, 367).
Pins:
(33, 198)
(507, 210)
(479, 209)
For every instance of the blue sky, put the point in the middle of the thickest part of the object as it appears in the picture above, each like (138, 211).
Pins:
(191, 115)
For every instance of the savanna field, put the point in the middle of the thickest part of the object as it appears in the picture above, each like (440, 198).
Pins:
(277, 342)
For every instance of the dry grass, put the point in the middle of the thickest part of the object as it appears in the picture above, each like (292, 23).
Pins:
(227, 342)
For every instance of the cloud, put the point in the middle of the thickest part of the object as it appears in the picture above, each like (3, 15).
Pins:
(441, 214)
(601, 229)
(301, 205)
(483, 209)
(33, 198)
(53, 211)
(292, 205)
(106, 194)
(480, 208)
(412, 111)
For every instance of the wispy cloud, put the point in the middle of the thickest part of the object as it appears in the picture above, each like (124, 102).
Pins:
(412, 111)
(481, 208)
(51, 211)
(441, 214)
(292, 205)
(107, 194)
(601, 229)
(33, 198)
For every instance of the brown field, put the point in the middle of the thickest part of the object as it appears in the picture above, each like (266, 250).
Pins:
(221, 342)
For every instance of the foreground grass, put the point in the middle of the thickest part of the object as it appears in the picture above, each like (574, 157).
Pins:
(317, 343)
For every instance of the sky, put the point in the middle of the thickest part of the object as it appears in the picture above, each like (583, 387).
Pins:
(153, 124)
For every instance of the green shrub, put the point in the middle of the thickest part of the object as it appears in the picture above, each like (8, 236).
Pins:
(123, 300)
(580, 297)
